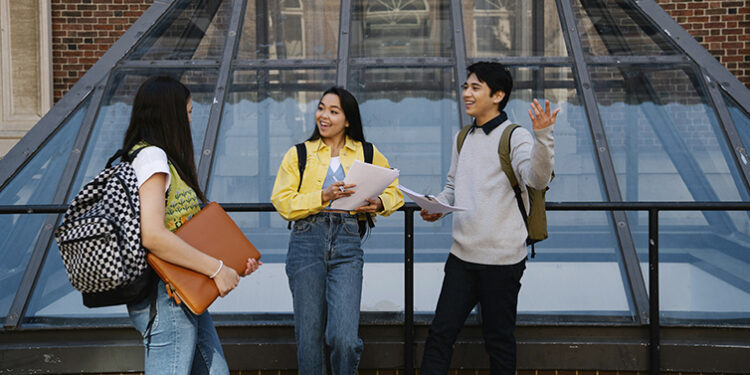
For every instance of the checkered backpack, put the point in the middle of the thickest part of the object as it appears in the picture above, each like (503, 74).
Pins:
(100, 238)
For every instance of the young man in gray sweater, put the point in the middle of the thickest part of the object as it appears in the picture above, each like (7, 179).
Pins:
(488, 254)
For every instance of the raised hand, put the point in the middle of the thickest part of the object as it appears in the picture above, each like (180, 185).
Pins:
(541, 118)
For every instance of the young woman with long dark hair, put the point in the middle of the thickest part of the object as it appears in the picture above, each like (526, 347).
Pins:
(177, 341)
(324, 261)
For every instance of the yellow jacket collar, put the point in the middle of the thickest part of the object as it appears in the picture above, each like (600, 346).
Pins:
(351, 144)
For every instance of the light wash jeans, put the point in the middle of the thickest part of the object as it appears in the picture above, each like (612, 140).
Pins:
(178, 341)
(324, 266)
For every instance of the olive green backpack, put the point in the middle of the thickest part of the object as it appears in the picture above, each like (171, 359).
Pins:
(536, 220)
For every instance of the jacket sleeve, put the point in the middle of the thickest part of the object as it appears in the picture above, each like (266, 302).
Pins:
(533, 160)
(392, 197)
(447, 196)
(291, 204)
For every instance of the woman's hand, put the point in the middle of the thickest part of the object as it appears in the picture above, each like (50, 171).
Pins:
(226, 280)
(374, 205)
(251, 266)
(429, 217)
(336, 190)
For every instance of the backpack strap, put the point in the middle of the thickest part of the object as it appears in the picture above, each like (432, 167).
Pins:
(462, 137)
(503, 151)
(301, 163)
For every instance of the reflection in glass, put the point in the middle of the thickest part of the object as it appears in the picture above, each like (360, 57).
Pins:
(615, 27)
(265, 114)
(290, 29)
(36, 183)
(398, 28)
(741, 119)
(114, 115)
(703, 277)
(667, 145)
(193, 29)
(512, 28)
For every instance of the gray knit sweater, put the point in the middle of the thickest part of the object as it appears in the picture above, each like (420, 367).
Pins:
(491, 230)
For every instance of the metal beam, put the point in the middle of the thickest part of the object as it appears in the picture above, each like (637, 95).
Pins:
(36, 261)
(695, 50)
(167, 64)
(342, 63)
(284, 64)
(741, 159)
(631, 264)
(27, 147)
(459, 43)
(222, 83)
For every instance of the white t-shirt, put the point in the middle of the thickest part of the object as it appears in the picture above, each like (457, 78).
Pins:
(149, 161)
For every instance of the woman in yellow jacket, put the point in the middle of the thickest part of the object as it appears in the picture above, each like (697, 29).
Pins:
(324, 261)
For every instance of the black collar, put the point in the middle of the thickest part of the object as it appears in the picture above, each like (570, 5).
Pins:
(489, 126)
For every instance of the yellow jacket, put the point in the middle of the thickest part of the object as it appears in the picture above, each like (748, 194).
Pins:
(293, 205)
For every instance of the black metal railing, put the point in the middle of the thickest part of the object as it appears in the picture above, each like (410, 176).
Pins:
(653, 209)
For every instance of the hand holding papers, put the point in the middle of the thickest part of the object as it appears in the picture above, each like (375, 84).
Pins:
(429, 203)
(371, 180)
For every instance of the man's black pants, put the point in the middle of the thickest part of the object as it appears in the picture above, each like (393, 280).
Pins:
(496, 289)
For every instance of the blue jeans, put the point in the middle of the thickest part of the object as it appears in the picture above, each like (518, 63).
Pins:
(324, 266)
(496, 289)
(178, 341)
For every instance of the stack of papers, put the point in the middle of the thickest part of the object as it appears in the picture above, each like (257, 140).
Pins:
(429, 203)
(371, 181)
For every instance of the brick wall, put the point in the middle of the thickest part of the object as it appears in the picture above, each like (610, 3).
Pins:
(722, 27)
(82, 31)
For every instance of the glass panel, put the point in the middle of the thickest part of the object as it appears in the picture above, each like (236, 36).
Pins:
(290, 29)
(667, 145)
(266, 113)
(579, 240)
(193, 29)
(114, 115)
(615, 27)
(36, 183)
(512, 28)
(703, 276)
(397, 28)
(410, 115)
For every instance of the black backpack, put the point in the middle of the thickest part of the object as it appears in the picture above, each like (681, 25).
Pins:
(100, 238)
(302, 162)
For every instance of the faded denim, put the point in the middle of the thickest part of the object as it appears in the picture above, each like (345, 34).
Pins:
(178, 341)
(324, 265)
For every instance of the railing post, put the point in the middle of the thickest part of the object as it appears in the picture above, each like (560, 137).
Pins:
(409, 291)
(653, 290)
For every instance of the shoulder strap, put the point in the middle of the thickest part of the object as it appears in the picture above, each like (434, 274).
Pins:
(462, 137)
(301, 161)
(368, 151)
(504, 151)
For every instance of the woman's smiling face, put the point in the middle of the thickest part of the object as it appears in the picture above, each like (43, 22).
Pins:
(330, 118)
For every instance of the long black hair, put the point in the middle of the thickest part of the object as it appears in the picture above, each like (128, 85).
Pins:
(160, 119)
(351, 111)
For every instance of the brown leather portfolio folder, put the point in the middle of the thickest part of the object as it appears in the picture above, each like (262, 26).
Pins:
(213, 232)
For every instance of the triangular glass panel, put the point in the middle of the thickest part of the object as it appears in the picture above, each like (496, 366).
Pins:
(616, 27)
(512, 28)
(192, 30)
(36, 183)
(289, 29)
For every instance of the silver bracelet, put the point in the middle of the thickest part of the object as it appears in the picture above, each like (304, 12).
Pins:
(221, 265)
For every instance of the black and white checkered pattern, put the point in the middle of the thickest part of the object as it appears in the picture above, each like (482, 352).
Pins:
(100, 236)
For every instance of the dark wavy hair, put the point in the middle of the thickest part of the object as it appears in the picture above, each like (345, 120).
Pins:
(160, 119)
(351, 111)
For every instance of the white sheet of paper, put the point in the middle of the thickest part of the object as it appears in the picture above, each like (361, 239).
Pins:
(429, 203)
(371, 180)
